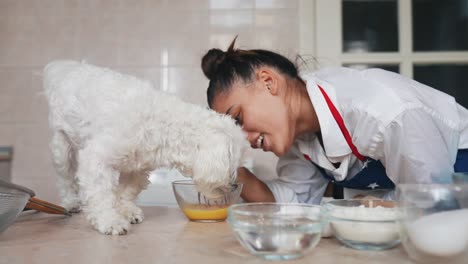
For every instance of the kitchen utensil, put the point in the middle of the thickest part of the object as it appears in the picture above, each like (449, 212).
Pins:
(11, 205)
(15, 198)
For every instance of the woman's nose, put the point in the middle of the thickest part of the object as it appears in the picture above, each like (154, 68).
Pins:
(249, 136)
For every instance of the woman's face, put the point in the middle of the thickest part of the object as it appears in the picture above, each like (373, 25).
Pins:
(259, 107)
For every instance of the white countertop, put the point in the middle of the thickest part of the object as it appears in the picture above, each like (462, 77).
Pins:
(165, 236)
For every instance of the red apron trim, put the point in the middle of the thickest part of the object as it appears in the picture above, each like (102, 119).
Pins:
(341, 124)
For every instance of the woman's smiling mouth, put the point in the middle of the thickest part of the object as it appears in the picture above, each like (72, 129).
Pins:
(260, 141)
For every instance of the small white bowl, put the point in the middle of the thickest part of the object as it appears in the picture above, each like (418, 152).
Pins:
(363, 224)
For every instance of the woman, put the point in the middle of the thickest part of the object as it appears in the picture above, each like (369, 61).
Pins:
(362, 130)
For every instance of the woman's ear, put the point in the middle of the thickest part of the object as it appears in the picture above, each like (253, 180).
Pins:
(268, 79)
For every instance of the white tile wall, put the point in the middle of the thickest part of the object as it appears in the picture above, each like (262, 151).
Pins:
(162, 41)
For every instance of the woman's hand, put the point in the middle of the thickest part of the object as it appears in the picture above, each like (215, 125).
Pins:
(253, 190)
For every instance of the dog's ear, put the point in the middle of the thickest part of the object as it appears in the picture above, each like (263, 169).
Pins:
(219, 155)
(233, 155)
(211, 168)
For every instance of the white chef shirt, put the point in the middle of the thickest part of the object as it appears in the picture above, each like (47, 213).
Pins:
(412, 129)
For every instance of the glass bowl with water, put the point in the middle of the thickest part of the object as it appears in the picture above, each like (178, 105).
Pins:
(276, 231)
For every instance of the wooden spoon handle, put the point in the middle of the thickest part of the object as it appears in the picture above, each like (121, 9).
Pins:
(46, 207)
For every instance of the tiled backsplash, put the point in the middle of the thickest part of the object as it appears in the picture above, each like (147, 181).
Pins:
(162, 41)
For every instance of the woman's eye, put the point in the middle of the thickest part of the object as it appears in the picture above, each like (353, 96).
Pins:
(238, 120)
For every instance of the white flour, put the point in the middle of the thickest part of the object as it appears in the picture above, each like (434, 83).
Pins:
(362, 224)
(440, 234)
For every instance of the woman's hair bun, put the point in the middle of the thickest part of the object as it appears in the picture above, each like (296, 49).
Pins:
(211, 61)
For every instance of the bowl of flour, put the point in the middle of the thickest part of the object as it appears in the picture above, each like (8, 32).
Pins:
(363, 224)
(434, 222)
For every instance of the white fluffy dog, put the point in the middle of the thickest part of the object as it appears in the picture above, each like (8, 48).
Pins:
(110, 130)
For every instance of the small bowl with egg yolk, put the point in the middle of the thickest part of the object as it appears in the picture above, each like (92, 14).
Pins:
(199, 208)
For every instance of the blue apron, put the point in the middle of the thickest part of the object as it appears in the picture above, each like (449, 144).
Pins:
(373, 175)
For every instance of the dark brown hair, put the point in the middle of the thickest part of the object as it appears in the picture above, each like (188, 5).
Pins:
(223, 68)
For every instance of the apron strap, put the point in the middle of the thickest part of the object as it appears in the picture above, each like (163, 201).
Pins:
(341, 125)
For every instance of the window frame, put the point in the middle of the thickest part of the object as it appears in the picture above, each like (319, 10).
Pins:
(321, 37)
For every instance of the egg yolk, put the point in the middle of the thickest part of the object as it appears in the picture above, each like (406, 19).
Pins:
(205, 213)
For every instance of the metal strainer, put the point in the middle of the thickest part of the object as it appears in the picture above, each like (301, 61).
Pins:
(15, 198)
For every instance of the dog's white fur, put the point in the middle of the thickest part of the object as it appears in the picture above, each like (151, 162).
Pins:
(110, 130)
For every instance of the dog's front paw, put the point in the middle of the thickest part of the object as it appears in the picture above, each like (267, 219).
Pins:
(72, 205)
(112, 226)
(136, 218)
(133, 213)
(73, 209)
(117, 228)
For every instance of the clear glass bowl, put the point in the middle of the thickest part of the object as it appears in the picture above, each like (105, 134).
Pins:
(198, 208)
(364, 224)
(276, 231)
(434, 222)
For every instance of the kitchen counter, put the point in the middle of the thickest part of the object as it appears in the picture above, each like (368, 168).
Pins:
(165, 236)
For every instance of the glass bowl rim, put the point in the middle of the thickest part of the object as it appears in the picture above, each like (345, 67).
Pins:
(331, 205)
(14, 194)
(431, 186)
(191, 183)
(338, 201)
(334, 218)
(235, 208)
